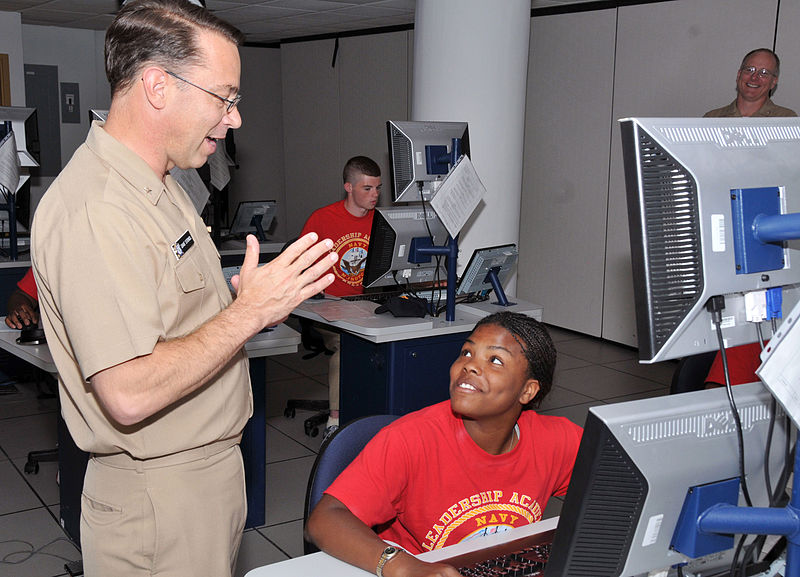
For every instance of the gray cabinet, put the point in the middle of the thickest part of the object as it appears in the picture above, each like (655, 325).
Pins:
(586, 71)
(334, 109)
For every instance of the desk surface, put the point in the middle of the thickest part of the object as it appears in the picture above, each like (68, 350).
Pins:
(23, 263)
(236, 247)
(279, 341)
(323, 564)
(358, 318)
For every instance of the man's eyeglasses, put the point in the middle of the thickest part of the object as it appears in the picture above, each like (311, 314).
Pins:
(230, 103)
(760, 72)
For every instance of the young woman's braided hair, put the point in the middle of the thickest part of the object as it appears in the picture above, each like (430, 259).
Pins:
(536, 345)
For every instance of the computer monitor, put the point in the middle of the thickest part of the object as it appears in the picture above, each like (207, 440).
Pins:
(636, 465)
(422, 153)
(695, 189)
(397, 232)
(97, 114)
(25, 125)
(488, 269)
(254, 217)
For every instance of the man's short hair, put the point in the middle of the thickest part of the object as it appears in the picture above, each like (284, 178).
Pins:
(357, 166)
(768, 51)
(160, 32)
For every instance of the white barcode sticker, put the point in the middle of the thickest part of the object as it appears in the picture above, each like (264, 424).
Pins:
(652, 531)
(718, 232)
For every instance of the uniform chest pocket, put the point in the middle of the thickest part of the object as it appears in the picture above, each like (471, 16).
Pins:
(189, 275)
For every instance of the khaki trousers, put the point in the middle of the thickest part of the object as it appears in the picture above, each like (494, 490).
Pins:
(161, 517)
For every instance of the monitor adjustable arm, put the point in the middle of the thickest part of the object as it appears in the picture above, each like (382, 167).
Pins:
(492, 277)
(11, 208)
(256, 223)
(776, 227)
(729, 519)
(421, 251)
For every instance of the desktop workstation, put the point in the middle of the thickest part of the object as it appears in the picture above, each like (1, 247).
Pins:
(397, 361)
(395, 365)
(251, 217)
(19, 148)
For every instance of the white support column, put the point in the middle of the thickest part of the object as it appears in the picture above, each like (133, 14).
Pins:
(471, 64)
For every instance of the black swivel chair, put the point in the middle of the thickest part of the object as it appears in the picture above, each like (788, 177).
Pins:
(312, 341)
(48, 389)
(690, 374)
(335, 454)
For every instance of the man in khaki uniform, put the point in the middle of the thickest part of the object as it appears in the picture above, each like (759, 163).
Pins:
(153, 378)
(756, 81)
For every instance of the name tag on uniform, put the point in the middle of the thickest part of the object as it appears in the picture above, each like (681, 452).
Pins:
(182, 245)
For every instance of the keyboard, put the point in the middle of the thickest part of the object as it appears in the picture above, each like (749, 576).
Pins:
(526, 556)
(377, 298)
(382, 297)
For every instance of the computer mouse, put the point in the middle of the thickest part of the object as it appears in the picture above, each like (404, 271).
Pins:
(31, 335)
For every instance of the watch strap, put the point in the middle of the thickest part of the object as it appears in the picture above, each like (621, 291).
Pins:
(388, 553)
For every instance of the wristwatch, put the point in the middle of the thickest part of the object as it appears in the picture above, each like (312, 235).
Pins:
(388, 553)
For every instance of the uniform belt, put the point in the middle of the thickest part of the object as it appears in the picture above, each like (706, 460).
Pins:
(126, 461)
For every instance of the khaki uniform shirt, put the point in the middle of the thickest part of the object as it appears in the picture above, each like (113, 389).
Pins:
(122, 260)
(769, 108)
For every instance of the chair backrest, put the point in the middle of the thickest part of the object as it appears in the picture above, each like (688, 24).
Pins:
(336, 452)
(690, 374)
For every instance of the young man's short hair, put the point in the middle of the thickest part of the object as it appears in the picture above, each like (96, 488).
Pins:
(359, 165)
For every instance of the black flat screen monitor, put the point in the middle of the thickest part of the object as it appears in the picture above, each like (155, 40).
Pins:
(96, 114)
(25, 125)
(253, 217)
(396, 233)
(422, 153)
(497, 261)
(636, 465)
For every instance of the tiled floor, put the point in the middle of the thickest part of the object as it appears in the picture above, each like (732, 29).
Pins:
(589, 372)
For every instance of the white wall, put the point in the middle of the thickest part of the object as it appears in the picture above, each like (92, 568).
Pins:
(259, 141)
(76, 53)
(11, 44)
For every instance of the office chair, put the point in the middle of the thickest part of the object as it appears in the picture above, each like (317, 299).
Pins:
(336, 452)
(312, 341)
(47, 390)
(690, 374)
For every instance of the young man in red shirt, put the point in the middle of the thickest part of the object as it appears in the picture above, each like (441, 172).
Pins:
(348, 223)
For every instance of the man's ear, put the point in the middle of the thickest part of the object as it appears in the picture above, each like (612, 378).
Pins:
(348, 187)
(154, 81)
(529, 391)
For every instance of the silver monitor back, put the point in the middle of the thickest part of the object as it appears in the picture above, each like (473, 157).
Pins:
(393, 230)
(635, 465)
(680, 174)
(414, 174)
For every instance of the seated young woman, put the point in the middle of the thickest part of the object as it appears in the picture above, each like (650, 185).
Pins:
(480, 463)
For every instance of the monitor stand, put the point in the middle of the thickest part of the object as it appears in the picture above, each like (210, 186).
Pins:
(450, 250)
(492, 277)
(256, 223)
